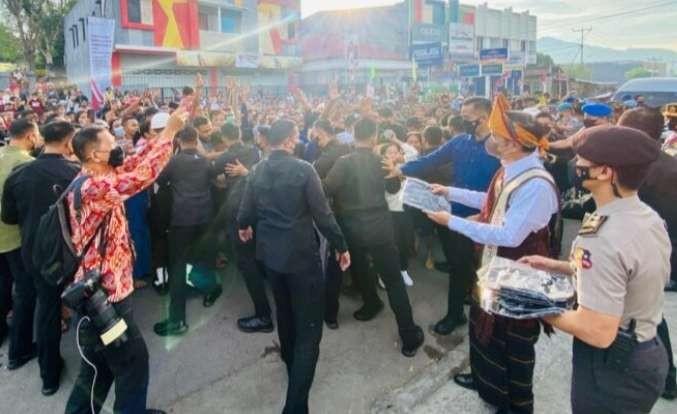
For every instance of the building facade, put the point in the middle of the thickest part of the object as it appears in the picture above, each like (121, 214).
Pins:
(164, 43)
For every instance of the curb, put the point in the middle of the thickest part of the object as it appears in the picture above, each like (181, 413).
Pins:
(404, 399)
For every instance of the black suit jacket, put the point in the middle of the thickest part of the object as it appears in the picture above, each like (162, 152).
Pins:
(29, 192)
(282, 198)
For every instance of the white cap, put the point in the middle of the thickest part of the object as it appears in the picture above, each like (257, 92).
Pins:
(159, 120)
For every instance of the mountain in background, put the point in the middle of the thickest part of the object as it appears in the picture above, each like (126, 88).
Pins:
(564, 53)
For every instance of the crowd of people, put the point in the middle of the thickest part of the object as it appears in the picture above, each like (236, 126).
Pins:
(303, 194)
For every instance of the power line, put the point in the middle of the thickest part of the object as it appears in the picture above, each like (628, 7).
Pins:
(582, 31)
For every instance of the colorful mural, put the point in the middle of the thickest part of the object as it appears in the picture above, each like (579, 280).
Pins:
(176, 23)
(279, 20)
(369, 33)
(427, 11)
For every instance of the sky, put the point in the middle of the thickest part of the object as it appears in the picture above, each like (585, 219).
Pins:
(616, 23)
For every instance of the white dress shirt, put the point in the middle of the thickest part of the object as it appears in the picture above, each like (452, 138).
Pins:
(529, 209)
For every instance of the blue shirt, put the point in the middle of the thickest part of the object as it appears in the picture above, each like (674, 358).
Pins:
(473, 168)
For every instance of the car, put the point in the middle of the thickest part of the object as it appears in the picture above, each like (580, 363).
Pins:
(656, 91)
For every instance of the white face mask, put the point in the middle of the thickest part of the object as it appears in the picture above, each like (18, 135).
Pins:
(119, 132)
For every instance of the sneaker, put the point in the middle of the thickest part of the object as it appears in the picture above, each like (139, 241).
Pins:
(407, 279)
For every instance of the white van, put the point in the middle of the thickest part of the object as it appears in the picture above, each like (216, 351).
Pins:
(656, 91)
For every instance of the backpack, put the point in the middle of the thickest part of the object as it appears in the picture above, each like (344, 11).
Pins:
(54, 255)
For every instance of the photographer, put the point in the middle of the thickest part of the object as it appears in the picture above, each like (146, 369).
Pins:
(112, 180)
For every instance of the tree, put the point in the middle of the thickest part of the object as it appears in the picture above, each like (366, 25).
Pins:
(580, 72)
(10, 47)
(638, 72)
(543, 60)
(39, 25)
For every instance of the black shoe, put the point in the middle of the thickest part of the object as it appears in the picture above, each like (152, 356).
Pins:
(170, 328)
(670, 394)
(154, 411)
(447, 325)
(409, 350)
(255, 324)
(333, 325)
(671, 286)
(3, 335)
(51, 389)
(442, 267)
(161, 289)
(13, 364)
(211, 297)
(465, 380)
(367, 313)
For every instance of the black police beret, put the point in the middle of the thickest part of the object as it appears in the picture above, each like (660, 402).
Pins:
(616, 146)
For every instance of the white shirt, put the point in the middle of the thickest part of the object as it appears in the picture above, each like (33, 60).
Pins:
(345, 137)
(529, 209)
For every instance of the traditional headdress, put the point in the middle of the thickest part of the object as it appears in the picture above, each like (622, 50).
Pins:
(501, 125)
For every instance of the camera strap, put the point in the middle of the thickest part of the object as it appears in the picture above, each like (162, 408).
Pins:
(102, 231)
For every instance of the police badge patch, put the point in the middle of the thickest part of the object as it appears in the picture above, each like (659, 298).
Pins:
(583, 258)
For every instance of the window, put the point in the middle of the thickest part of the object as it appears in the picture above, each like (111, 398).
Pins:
(231, 21)
(209, 18)
(140, 11)
(523, 46)
(505, 43)
(480, 43)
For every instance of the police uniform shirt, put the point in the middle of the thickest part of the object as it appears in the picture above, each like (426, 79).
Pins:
(622, 257)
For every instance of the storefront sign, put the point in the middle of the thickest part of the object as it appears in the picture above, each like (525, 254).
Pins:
(469, 71)
(492, 69)
(461, 41)
(499, 55)
(429, 54)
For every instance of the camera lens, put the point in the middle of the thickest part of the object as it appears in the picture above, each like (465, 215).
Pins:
(111, 327)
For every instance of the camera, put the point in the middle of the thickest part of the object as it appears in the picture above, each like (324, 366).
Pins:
(88, 297)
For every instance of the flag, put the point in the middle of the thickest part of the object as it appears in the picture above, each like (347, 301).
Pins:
(372, 72)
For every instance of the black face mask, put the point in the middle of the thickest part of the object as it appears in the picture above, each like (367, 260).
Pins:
(470, 126)
(116, 157)
(578, 174)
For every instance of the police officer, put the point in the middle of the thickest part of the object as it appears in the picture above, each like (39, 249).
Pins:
(621, 261)
(282, 198)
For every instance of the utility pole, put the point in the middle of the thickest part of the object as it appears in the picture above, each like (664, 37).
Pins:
(583, 31)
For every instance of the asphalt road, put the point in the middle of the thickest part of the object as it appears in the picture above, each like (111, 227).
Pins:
(217, 369)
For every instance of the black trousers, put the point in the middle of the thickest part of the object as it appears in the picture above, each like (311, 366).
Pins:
(385, 262)
(126, 365)
(5, 294)
(252, 272)
(23, 306)
(299, 299)
(403, 229)
(185, 246)
(598, 388)
(48, 338)
(460, 254)
(664, 335)
(333, 281)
